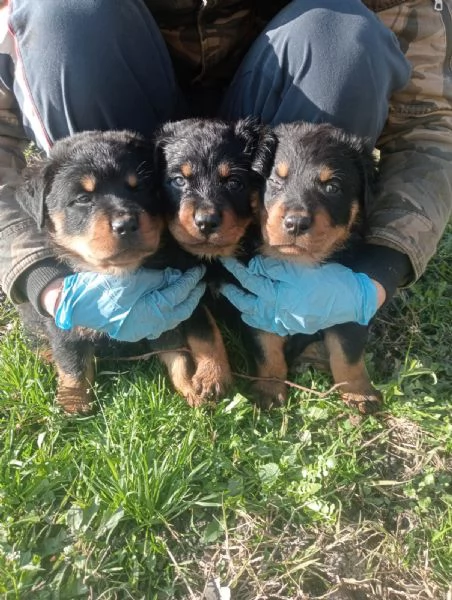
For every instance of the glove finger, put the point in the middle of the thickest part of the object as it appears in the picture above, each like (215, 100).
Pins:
(197, 272)
(184, 309)
(171, 316)
(180, 289)
(171, 276)
(278, 269)
(168, 277)
(166, 301)
(244, 302)
(254, 283)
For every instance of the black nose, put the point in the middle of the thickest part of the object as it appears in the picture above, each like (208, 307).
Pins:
(207, 222)
(124, 225)
(297, 224)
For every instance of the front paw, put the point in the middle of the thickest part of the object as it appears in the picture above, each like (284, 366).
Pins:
(211, 380)
(367, 403)
(269, 393)
(75, 401)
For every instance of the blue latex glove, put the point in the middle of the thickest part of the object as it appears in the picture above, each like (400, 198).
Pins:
(289, 298)
(132, 307)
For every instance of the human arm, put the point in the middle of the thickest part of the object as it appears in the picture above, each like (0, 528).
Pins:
(27, 264)
(409, 214)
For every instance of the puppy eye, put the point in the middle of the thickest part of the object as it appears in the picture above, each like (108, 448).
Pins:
(276, 183)
(83, 200)
(332, 188)
(178, 181)
(234, 183)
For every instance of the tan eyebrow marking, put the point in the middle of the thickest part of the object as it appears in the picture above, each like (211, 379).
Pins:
(88, 183)
(224, 169)
(325, 174)
(132, 180)
(282, 169)
(186, 170)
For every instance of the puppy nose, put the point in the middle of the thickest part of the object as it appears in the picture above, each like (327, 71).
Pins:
(124, 225)
(207, 222)
(297, 224)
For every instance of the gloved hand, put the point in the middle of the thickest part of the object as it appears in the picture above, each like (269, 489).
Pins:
(132, 307)
(289, 298)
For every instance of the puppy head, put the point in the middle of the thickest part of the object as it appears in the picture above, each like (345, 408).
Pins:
(95, 197)
(212, 174)
(320, 181)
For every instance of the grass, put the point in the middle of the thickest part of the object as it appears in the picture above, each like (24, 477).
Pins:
(149, 499)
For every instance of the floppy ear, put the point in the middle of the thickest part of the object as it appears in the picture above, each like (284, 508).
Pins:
(363, 155)
(32, 193)
(161, 139)
(368, 167)
(260, 144)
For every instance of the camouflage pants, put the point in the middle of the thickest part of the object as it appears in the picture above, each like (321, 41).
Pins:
(416, 145)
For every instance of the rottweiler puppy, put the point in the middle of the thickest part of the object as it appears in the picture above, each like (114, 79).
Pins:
(212, 174)
(96, 198)
(313, 212)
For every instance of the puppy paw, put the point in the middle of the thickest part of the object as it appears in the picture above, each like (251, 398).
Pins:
(211, 380)
(75, 401)
(367, 403)
(269, 394)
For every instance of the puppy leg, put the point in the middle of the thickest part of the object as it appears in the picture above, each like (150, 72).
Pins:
(271, 364)
(74, 360)
(212, 374)
(346, 345)
(180, 371)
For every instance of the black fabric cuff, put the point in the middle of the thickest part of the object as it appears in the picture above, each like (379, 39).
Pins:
(391, 268)
(32, 282)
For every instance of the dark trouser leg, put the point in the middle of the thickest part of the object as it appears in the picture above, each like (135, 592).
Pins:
(321, 60)
(90, 64)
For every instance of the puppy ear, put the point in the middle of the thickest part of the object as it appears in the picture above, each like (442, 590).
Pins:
(32, 193)
(260, 144)
(368, 167)
(265, 152)
(362, 153)
(161, 139)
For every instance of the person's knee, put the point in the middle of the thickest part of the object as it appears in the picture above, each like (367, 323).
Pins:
(83, 65)
(337, 62)
(48, 22)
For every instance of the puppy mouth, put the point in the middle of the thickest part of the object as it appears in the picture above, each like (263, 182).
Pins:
(122, 257)
(222, 242)
(292, 252)
(115, 263)
(208, 248)
(289, 249)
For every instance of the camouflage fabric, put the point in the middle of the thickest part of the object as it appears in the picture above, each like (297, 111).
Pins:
(21, 245)
(414, 206)
(207, 39)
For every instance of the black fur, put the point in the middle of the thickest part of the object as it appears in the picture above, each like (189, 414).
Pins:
(314, 211)
(95, 196)
(212, 175)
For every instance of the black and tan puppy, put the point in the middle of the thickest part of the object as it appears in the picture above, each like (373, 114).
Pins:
(313, 209)
(95, 197)
(212, 175)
